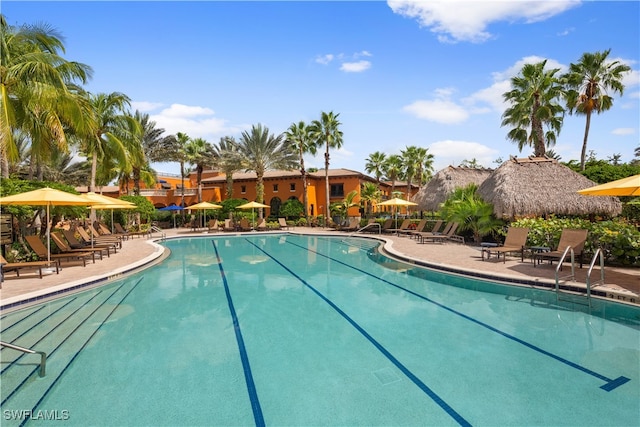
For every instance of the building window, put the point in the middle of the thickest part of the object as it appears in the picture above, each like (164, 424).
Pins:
(292, 187)
(275, 188)
(243, 189)
(337, 190)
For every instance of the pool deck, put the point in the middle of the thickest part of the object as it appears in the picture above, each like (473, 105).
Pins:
(620, 283)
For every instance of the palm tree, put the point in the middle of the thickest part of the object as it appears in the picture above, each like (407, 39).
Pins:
(375, 165)
(326, 132)
(261, 152)
(588, 84)
(299, 137)
(107, 139)
(370, 195)
(229, 162)
(533, 106)
(415, 161)
(199, 153)
(38, 92)
(180, 155)
(392, 170)
(424, 166)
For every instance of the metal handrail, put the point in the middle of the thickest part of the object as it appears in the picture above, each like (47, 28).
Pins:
(43, 356)
(573, 267)
(375, 224)
(156, 229)
(593, 262)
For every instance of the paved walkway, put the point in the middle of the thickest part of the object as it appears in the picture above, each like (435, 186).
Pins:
(622, 284)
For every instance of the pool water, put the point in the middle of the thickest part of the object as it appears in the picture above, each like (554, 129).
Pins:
(307, 330)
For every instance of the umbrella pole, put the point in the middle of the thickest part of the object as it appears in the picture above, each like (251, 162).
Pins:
(48, 238)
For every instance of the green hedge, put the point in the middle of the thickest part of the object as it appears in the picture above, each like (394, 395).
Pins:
(620, 240)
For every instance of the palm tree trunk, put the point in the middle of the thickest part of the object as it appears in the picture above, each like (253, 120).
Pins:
(94, 168)
(326, 179)
(199, 179)
(260, 195)
(583, 155)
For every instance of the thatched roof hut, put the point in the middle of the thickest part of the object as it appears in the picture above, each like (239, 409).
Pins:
(540, 186)
(443, 183)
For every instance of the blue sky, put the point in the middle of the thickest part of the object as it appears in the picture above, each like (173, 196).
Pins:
(399, 73)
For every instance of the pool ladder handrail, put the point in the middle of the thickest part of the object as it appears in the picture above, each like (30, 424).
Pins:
(43, 356)
(156, 229)
(590, 284)
(571, 276)
(375, 224)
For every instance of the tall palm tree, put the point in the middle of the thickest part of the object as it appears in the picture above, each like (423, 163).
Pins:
(392, 170)
(180, 155)
(108, 137)
(200, 154)
(299, 137)
(370, 195)
(424, 165)
(38, 91)
(229, 162)
(261, 152)
(326, 131)
(375, 165)
(533, 105)
(588, 84)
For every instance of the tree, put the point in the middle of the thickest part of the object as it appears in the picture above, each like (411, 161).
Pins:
(180, 156)
(533, 106)
(326, 131)
(588, 84)
(415, 161)
(38, 92)
(199, 153)
(392, 170)
(369, 195)
(106, 138)
(229, 162)
(375, 165)
(261, 151)
(342, 208)
(299, 136)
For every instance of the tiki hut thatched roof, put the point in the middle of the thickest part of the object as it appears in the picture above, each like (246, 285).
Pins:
(540, 186)
(443, 183)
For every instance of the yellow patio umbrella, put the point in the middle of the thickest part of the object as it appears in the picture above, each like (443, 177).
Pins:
(252, 206)
(203, 206)
(629, 186)
(45, 197)
(396, 202)
(100, 201)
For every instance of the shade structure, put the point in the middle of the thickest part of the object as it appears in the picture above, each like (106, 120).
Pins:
(252, 206)
(396, 202)
(204, 206)
(173, 209)
(98, 201)
(629, 186)
(45, 197)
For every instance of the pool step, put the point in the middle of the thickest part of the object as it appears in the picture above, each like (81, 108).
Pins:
(364, 244)
(61, 335)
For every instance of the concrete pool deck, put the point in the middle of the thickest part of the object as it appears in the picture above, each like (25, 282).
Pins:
(620, 283)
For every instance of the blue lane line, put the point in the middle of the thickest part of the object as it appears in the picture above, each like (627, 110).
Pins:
(437, 399)
(63, 340)
(611, 384)
(251, 387)
(53, 383)
(18, 321)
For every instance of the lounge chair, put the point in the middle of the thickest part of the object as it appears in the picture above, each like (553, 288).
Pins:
(244, 225)
(103, 230)
(98, 240)
(26, 265)
(228, 225)
(514, 242)
(62, 244)
(570, 237)
(40, 250)
(447, 234)
(74, 243)
(353, 225)
(213, 225)
(262, 225)
(420, 236)
(409, 231)
(283, 224)
(404, 226)
(435, 229)
(124, 233)
(386, 225)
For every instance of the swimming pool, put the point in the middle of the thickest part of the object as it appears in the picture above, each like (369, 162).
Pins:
(311, 330)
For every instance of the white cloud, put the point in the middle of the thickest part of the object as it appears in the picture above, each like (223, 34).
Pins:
(195, 121)
(355, 67)
(324, 59)
(624, 131)
(145, 106)
(440, 110)
(455, 21)
(450, 152)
